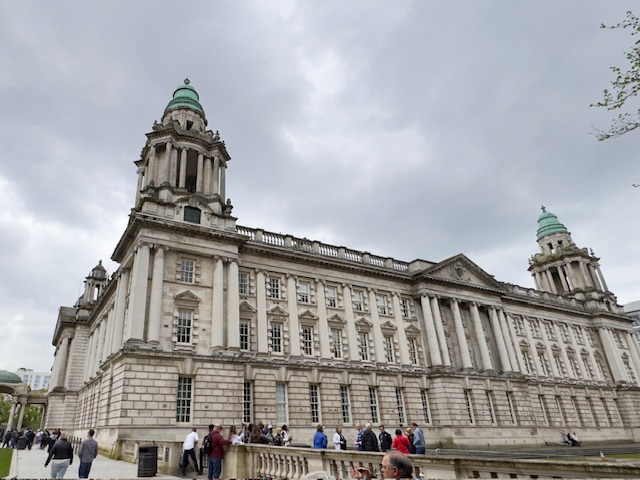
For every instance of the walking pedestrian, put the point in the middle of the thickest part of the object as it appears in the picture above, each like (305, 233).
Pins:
(87, 452)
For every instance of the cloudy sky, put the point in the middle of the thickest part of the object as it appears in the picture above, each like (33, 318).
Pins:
(411, 129)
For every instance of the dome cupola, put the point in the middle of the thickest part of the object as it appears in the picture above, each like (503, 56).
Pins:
(548, 224)
(185, 96)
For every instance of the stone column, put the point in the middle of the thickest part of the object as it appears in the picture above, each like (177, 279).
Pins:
(481, 338)
(352, 332)
(552, 284)
(216, 174)
(378, 340)
(432, 336)
(402, 335)
(108, 335)
(12, 412)
(233, 306)
(173, 168)
(567, 277)
(263, 327)
(168, 155)
(138, 296)
(200, 173)
(21, 416)
(604, 284)
(442, 339)
(632, 344)
(208, 173)
(461, 335)
(613, 355)
(294, 323)
(155, 302)
(509, 340)
(563, 280)
(120, 308)
(183, 168)
(139, 185)
(99, 346)
(585, 275)
(152, 169)
(217, 305)
(60, 363)
(89, 356)
(223, 168)
(536, 280)
(323, 325)
(502, 347)
(594, 277)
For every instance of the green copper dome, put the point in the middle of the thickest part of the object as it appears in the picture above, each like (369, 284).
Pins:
(9, 377)
(548, 223)
(185, 96)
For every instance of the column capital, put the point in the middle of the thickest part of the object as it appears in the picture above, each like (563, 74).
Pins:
(320, 281)
(143, 245)
(158, 247)
(455, 300)
(347, 285)
(372, 289)
(291, 275)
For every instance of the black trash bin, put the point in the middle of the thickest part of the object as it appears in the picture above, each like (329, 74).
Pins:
(147, 461)
(22, 443)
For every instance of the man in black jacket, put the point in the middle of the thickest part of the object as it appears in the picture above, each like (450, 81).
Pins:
(60, 456)
(369, 440)
(385, 439)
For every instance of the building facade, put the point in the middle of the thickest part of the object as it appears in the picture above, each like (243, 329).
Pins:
(35, 380)
(205, 321)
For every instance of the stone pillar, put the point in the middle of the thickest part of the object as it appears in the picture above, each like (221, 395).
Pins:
(402, 335)
(155, 302)
(138, 296)
(173, 166)
(632, 344)
(432, 336)
(100, 345)
(536, 280)
(294, 323)
(509, 341)
(168, 155)
(567, 277)
(120, 308)
(481, 338)
(604, 284)
(552, 284)
(563, 280)
(223, 168)
(613, 355)
(352, 332)
(323, 325)
(200, 173)
(585, 275)
(594, 277)
(233, 306)
(461, 335)
(60, 364)
(139, 185)
(106, 351)
(217, 305)
(183, 168)
(502, 347)
(208, 174)
(21, 416)
(442, 339)
(89, 370)
(263, 331)
(216, 175)
(378, 340)
(152, 169)
(12, 412)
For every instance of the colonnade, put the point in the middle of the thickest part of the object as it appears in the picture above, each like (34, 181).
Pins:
(587, 275)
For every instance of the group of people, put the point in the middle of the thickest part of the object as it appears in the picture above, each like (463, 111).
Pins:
(366, 440)
(61, 454)
(571, 439)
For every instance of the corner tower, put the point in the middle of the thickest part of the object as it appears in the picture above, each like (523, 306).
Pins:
(181, 170)
(562, 268)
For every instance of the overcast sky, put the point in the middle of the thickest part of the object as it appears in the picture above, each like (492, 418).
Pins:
(411, 129)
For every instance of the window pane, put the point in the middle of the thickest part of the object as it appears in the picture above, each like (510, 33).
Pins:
(183, 404)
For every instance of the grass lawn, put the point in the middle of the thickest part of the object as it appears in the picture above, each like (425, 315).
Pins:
(5, 461)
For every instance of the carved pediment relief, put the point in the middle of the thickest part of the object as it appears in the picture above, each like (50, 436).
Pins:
(187, 298)
(388, 326)
(336, 320)
(462, 270)
(570, 349)
(412, 331)
(277, 311)
(363, 324)
(247, 307)
(308, 314)
(555, 348)
(524, 344)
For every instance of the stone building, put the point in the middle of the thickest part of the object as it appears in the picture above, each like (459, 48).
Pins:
(205, 320)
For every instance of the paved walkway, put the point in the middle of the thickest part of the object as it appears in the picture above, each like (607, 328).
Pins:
(30, 464)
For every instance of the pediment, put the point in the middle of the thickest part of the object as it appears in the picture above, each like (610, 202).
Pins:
(336, 319)
(388, 326)
(308, 314)
(460, 269)
(363, 323)
(412, 331)
(277, 311)
(247, 307)
(524, 344)
(187, 297)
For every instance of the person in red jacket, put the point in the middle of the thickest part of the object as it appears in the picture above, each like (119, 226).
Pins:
(400, 443)
(217, 451)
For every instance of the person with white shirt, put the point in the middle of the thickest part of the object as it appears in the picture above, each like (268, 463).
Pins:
(339, 442)
(189, 450)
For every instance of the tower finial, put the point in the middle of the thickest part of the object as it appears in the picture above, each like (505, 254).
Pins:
(187, 81)
(543, 208)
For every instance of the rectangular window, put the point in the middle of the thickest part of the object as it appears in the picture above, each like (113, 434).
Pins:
(336, 345)
(564, 331)
(281, 403)
(273, 287)
(307, 340)
(413, 351)
(492, 414)
(373, 401)
(247, 413)
(543, 409)
(588, 369)
(276, 337)
(574, 367)
(559, 365)
(424, 396)
(400, 402)
(364, 346)
(592, 412)
(511, 406)
(576, 407)
(535, 328)
(467, 399)
(607, 411)
(314, 399)
(382, 304)
(548, 328)
(404, 308)
(388, 348)
(346, 405)
(183, 404)
(526, 360)
(542, 358)
(303, 292)
(331, 295)
(560, 406)
(185, 321)
(243, 283)
(357, 298)
(244, 335)
(187, 270)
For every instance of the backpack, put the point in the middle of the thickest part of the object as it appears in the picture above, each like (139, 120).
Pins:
(206, 444)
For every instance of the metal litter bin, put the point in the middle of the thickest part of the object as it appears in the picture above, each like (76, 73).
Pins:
(148, 461)
(21, 443)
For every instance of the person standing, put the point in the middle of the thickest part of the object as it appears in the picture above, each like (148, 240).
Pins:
(400, 443)
(60, 457)
(369, 440)
(418, 439)
(87, 452)
(217, 451)
(320, 439)
(339, 442)
(385, 439)
(189, 450)
(358, 441)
